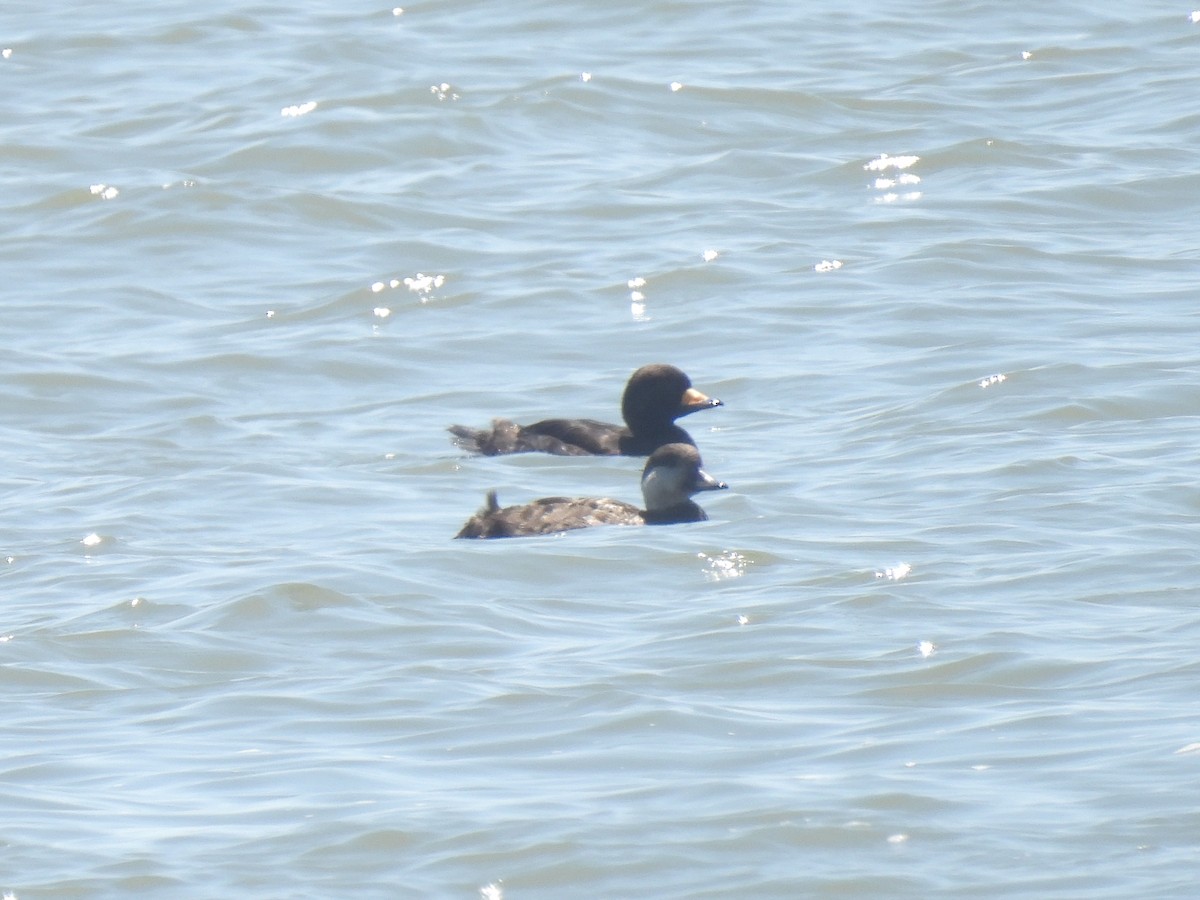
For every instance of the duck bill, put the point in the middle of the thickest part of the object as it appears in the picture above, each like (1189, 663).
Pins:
(694, 401)
(705, 482)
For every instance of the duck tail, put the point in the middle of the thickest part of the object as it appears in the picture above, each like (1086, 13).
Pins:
(469, 439)
(481, 524)
(503, 437)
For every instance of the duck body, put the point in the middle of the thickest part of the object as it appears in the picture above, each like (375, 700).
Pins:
(672, 475)
(567, 437)
(655, 396)
(548, 516)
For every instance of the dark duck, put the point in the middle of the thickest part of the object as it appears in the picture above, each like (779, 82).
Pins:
(654, 398)
(672, 475)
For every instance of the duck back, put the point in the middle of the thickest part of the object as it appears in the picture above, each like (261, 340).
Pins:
(561, 437)
(548, 516)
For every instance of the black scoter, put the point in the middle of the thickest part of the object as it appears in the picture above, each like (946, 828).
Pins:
(654, 398)
(672, 475)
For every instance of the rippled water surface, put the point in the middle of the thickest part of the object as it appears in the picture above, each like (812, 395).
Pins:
(940, 262)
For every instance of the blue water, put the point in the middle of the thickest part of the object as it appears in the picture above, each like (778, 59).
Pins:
(939, 261)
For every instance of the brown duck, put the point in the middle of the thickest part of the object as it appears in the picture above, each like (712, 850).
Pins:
(672, 475)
